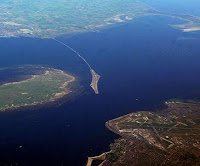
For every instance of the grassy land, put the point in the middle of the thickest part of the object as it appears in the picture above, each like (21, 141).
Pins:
(48, 18)
(166, 137)
(45, 87)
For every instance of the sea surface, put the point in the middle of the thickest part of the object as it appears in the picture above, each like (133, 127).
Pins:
(142, 64)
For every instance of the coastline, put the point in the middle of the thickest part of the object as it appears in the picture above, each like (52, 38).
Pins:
(65, 91)
(157, 133)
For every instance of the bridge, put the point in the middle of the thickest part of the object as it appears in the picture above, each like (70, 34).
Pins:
(95, 76)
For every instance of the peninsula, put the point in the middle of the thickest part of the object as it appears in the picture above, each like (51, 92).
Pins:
(33, 85)
(159, 138)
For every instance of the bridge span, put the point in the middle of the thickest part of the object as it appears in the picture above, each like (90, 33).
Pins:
(95, 76)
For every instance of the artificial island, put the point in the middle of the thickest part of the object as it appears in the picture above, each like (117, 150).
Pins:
(156, 138)
(32, 85)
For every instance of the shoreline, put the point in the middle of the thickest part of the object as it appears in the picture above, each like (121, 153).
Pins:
(59, 95)
(156, 133)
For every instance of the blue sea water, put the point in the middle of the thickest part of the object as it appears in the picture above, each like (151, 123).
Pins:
(141, 63)
(176, 6)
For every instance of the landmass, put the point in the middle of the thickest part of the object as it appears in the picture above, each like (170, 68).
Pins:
(49, 19)
(95, 79)
(191, 22)
(157, 138)
(99, 157)
(32, 85)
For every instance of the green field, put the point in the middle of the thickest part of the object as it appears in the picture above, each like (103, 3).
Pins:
(51, 18)
(45, 85)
